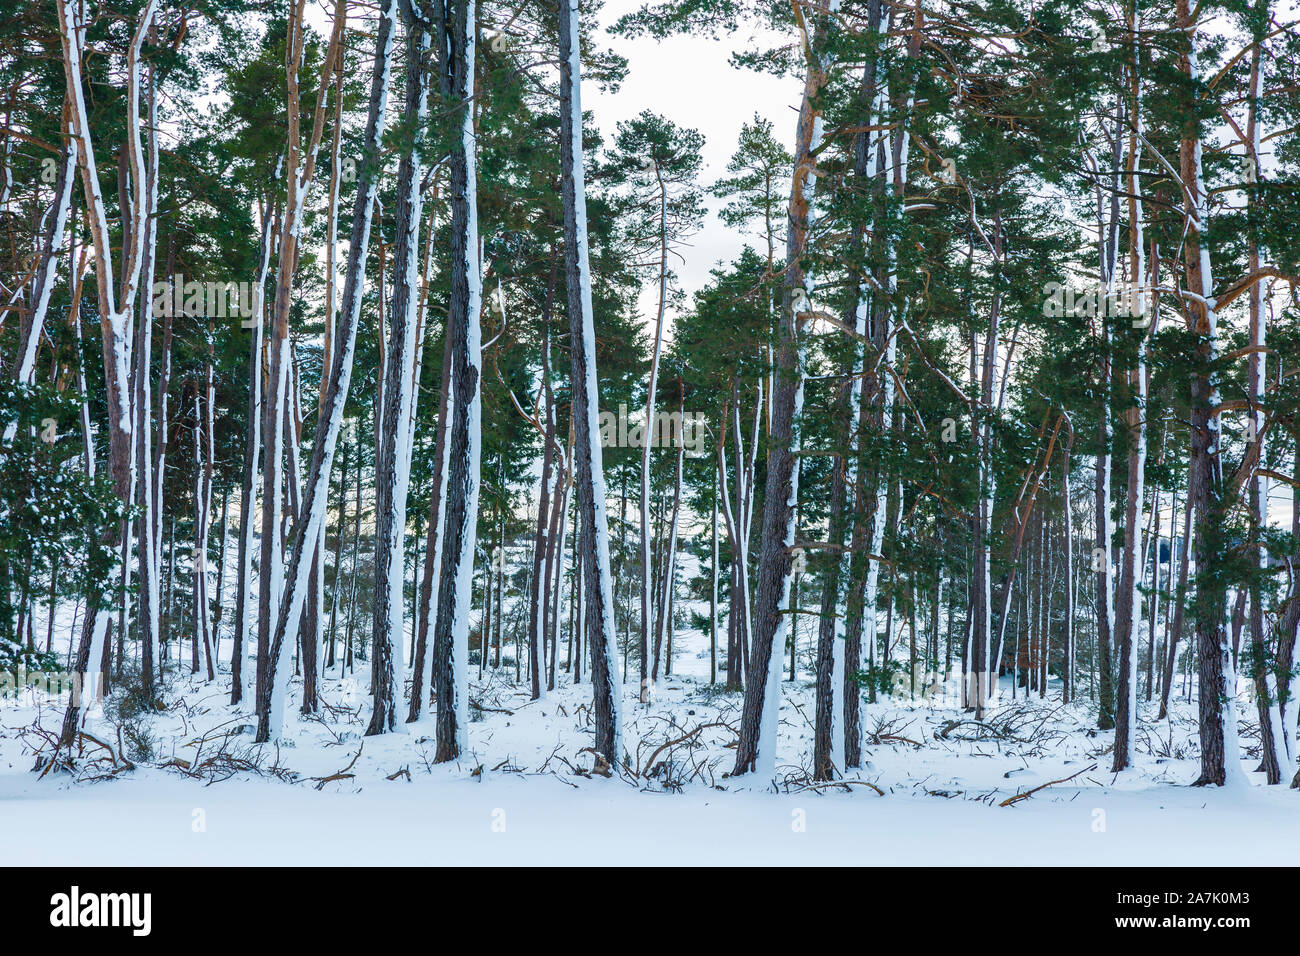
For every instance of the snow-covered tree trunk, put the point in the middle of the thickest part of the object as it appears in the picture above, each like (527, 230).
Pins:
(1216, 676)
(735, 621)
(983, 669)
(713, 588)
(1180, 591)
(1288, 622)
(79, 271)
(647, 603)
(1278, 760)
(115, 306)
(537, 591)
(281, 420)
(1103, 521)
(315, 498)
(745, 465)
(557, 498)
(737, 518)
(427, 598)
(663, 620)
(271, 579)
(393, 463)
(160, 434)
(863, 403)
(148, 529)
(220, 593)
(43, 283)
(1129, 603)
(293, 438)
(756, 750)
(828, 741)
(465, 443)
(244, 587)
(421, 677)
(313, 620)
(1067, 675)
(555, 557)
(1153, 605)
(587, 460)
(202, 511)
(837, 742)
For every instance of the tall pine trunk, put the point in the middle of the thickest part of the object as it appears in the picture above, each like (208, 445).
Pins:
(451, 638)
(587, 460)
(756, 749)
(393, 461)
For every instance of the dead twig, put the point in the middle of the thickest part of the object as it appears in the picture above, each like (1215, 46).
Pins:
(1009, 801)
(649, 764)
(490, 710)
(345, 773)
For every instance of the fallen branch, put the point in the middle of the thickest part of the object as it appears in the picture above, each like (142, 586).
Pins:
(343, 774)
(682, 739)
(124, 763)
(490, 710)
(999, 733)
(845, 784)
(1051, 783)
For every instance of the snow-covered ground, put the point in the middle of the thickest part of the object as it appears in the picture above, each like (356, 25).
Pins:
(526, 793)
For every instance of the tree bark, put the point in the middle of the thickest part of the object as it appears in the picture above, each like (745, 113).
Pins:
(451, 638)
(393, 461)
(587, 463)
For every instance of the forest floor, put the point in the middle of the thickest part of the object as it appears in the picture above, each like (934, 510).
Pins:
(930, 791)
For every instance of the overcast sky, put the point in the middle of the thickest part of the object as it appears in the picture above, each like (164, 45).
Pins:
(690, 81)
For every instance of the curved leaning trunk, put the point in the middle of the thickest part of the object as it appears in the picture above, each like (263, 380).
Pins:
(647, 603)
(312, 512)
(43, 283)
(537, 585)
(115, 308)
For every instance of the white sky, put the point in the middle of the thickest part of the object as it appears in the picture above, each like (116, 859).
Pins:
(688, 80)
